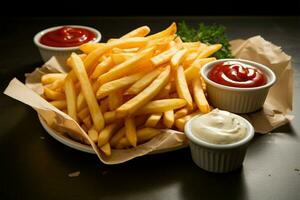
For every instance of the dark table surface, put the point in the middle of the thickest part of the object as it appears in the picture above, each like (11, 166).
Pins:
(36, 166)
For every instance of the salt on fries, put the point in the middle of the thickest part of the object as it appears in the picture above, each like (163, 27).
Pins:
(125, 91)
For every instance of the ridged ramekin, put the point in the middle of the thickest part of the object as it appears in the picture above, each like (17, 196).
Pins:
(218, 158)
(234, 99)
(61, 53)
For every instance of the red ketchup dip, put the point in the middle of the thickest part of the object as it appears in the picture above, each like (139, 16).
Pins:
(237, 74)
(67, 37)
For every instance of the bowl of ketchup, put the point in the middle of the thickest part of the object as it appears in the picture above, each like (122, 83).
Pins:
(61, 41)
(237, 85)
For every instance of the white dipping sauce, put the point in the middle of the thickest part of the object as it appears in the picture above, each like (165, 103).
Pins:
(219, 127)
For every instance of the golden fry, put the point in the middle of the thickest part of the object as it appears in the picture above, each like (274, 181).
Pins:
(115, 99)
(139, 32)
(178, 58)
(83, 113)
(162, 105)
(179, 123)
(193, 71)
(141, 84)
(53, 95)
(117, 84)
(168, 118)
(153, 120)
(60, 104)
(126, 67)
(103, 67)
(130, 130)
(171, 30)
(164, 56)
(87, 91)
(182, 87)
(93, 134)
(145, 96)
(50, 78)
(71, 98)
(199, 96)
(107, 132)
(106, 149)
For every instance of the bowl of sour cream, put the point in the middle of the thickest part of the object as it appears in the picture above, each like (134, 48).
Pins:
(219, 140)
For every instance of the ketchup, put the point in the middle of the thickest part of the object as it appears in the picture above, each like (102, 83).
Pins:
(67, 37)
(237, 74)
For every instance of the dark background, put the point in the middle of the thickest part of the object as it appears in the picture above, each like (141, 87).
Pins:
(84, 8)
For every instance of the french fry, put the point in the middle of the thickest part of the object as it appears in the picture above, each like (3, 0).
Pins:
(130, 130)
(143, 82)
(60, 104)
(70, 98)
(171, 30)
(83, 113)
(50, 78)
(118, 58)
(106, 149)
(193, 71)
(209, 50)
(115, 99)
(145, 96)
(57, 84)
(102, 67)
(143, 135)
(199, 96)
(182, 87)
(122, 143)
(165, 92)
(110, 116)
(164, 56)
(53, 95)
(81, 103)
(146, 134)
(93, 134)
(91, 60)
(117, 136)
(128, 51)
(168, 118)
(87, 122)
(82, 56)
(139, 32)
(104, 105)
(126, 67)
(117, 84)
(178, 58)
(107, 132)
(189, 45)
(181, 113)
(87, 91)
(153, 120)
(179, 123)
(162, 105)
(192, 55)
(89, 47)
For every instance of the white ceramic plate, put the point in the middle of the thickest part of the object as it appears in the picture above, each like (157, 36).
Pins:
(83, 147)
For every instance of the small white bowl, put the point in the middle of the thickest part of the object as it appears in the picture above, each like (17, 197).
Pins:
(234, 99)
(218, 158)
(61, 53)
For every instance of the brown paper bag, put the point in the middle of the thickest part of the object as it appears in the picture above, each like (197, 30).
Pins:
(273, 114)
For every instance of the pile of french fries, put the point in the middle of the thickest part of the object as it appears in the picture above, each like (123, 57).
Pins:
(125, 91)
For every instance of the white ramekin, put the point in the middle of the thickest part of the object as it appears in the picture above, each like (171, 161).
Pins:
(61, 53)
(234, 99)
(218, 158)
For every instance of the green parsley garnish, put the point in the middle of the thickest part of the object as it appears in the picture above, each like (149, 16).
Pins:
(208, 34)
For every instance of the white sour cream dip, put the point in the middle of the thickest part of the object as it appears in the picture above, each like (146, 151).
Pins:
(219, 127)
